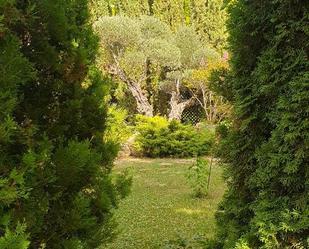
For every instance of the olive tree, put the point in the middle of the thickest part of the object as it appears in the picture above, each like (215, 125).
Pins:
(144, 54)
(191, 82)
(128, 45)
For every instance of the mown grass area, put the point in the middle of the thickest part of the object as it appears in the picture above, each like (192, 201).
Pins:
(161, 206)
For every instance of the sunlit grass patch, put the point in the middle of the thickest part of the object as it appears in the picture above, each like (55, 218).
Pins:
(161, 206)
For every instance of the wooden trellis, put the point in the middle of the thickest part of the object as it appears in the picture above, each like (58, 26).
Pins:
(192, 115)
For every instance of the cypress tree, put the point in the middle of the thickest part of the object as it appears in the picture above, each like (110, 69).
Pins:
(267, 150)
(55, 184)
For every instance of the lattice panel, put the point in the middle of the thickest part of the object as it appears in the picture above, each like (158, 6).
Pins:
(192, 115)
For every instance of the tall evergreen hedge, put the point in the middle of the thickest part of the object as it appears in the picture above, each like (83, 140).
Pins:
(55, 186)
(267, 150)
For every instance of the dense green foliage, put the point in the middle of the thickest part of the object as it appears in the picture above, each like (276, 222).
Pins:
(58, 140)
(207, 17)
(158, 137)
(267, 149)
(55, 186)
(199, 176)
(117, 129)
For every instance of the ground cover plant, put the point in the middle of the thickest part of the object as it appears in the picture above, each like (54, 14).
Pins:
(158, 137)
(161, 209)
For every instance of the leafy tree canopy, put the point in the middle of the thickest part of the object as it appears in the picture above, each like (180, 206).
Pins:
(207, 17)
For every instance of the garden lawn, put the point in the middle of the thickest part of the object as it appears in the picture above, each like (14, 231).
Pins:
(161, 206)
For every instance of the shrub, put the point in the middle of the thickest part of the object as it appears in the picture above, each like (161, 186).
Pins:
(55, 185)
(265, 151)
(117, 130)
(222, 129)
(157, 137)
(199, 176)
(123, 183)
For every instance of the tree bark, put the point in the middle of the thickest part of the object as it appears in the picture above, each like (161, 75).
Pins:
(143, 105)
(178, 106)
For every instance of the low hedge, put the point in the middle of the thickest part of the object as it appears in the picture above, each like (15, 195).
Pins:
(157, 137)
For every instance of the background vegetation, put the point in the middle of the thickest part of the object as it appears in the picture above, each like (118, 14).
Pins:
(172, 45)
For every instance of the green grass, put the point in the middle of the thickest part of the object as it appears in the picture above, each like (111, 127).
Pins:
(161, 206)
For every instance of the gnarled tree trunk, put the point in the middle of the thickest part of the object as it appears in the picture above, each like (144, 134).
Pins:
(176, 103)
(143, 105)
(142, 102)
